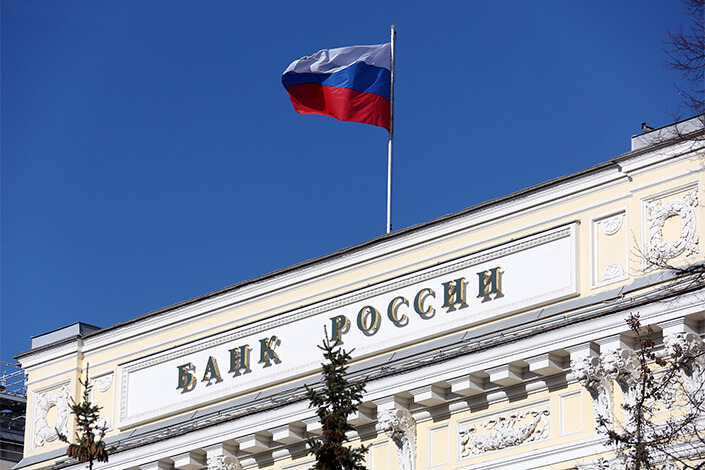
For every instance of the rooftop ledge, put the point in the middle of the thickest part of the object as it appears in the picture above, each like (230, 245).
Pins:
(678, 129)
(62, 333)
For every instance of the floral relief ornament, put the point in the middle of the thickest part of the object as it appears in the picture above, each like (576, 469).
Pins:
(622, 366)
(222, 462)
(507, 430)
(658, 213)
(612, 271)
(689, 348)
(611, 225)
(590, 373)
(43, 431)
(400, 427)
(103, 383)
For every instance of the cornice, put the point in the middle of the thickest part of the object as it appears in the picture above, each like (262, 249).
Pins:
(53, 353)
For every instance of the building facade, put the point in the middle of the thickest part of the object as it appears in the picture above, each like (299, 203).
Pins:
(482, 335)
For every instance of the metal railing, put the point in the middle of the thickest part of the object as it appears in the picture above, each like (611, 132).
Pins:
(12, 380)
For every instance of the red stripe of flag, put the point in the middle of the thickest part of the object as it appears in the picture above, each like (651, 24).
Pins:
(341, 103)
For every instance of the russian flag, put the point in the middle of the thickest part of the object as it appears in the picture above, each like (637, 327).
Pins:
(348, 83)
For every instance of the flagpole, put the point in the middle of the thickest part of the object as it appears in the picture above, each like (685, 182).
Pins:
(391, 136)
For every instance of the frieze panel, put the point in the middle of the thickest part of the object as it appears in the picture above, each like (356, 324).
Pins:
(103, 383)
(611, 225)
(426, 303)
(609, 248)
(44, 402)
(658, 211)
(508, 429)
(612, 271)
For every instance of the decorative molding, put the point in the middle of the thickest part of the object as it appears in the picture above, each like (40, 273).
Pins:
(612, 271)
(658, 213)
(222, 462)
(506, 430)
(611, 225)
(220, 458)
(609, 245)
(443, 456)
(103, 382)
(589, 372)
(622, 366)
(688, 348)
(601, 465)
(43, 432)
(562, 413)
(400, 427)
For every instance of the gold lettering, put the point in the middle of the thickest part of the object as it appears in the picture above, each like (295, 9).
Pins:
(454, 293)
(490, 282)
(368, 327)
(240, 359)
(392, 311)
(419, 303)
(212, 372)
(266, 351)
(186, 378)
(340, 326)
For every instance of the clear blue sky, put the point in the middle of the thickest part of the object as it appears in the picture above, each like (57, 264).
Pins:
(150, 153)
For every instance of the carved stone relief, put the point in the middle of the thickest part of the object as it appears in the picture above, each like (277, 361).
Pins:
(222, 461)
(506, 430)
(400, 427)
(590, 373)
(44, 431)
(658, 213)
(612, 271)
(622, 366)
(689, 349)
(609, 249)
(103, 383)
(611, 225)
(597, 375)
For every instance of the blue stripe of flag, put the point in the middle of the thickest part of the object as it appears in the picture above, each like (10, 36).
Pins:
(359, 77)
